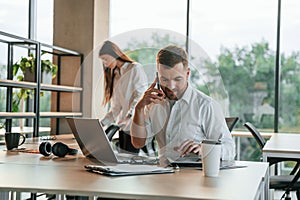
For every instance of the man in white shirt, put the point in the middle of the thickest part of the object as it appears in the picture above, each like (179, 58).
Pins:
(178, 115)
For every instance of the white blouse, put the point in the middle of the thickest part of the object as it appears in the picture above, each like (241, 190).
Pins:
(128, 89)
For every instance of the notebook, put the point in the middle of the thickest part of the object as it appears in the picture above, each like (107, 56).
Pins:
(128, 170)
(94, 143)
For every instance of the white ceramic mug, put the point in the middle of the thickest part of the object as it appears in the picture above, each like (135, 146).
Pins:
(211, 156)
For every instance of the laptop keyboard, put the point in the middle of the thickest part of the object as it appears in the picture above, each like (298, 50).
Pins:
(134, 159)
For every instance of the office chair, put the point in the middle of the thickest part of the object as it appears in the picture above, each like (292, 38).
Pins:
(111, 131)
(231, 122)
(279, 182)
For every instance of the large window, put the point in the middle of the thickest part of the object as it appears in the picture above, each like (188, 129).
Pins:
(290, 67)
(240, 41)
(44, 25)
(135, 14)
(14, 17)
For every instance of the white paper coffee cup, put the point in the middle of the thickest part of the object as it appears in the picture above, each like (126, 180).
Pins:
(211, 155)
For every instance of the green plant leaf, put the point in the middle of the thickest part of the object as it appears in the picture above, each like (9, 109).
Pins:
(16, 67)
(20, 78)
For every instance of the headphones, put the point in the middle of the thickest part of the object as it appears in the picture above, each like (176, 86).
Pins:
(59, 149)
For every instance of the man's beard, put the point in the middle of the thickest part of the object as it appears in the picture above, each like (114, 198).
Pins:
(169, 93)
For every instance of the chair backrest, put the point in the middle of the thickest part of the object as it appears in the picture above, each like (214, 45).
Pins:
(111, 130)
(256, 134)
(231, 122)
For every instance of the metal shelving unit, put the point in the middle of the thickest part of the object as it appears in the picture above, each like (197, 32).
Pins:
(37, 86)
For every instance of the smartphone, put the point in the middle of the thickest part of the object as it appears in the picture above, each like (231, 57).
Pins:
(157, 81)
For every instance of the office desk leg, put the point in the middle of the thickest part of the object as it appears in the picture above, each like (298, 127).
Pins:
(18, 195)
(267, 185)
(238, 147)
(59, 197)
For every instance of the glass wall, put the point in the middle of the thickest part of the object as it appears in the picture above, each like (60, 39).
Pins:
(241, 46)
(135, 14)
(14, 17)
(44, 24)
(289, 110)
(241, 43)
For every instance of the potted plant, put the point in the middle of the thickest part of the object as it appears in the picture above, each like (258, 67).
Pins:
(27, 67)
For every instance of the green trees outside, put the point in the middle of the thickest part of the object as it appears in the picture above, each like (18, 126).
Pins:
(248, 71)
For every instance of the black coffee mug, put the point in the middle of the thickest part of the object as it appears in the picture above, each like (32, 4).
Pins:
(12, 140)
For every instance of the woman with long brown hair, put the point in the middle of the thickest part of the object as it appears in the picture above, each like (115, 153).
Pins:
(124, 83)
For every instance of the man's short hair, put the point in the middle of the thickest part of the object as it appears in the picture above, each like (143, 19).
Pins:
(172, 55)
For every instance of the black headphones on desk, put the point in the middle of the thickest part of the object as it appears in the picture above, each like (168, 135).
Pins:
(59, 149)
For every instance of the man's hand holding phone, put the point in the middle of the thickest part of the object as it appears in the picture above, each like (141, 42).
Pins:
(158, 84)
(151, 95)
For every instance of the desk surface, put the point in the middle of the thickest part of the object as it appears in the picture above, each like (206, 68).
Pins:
(240, 183)
(32, 172)
(282, 146)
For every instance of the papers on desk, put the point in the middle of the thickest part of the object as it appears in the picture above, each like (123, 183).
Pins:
(128, 169)
(198, 164)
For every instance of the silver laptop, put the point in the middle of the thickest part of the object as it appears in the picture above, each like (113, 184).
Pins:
(94, 143)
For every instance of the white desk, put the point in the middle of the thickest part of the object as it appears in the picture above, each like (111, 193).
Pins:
(27, 172)
(282, 145)
(243, 183)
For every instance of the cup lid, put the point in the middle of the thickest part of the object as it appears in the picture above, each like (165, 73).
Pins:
(208, 141)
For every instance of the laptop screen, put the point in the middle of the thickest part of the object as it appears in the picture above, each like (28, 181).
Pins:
(92, 139)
